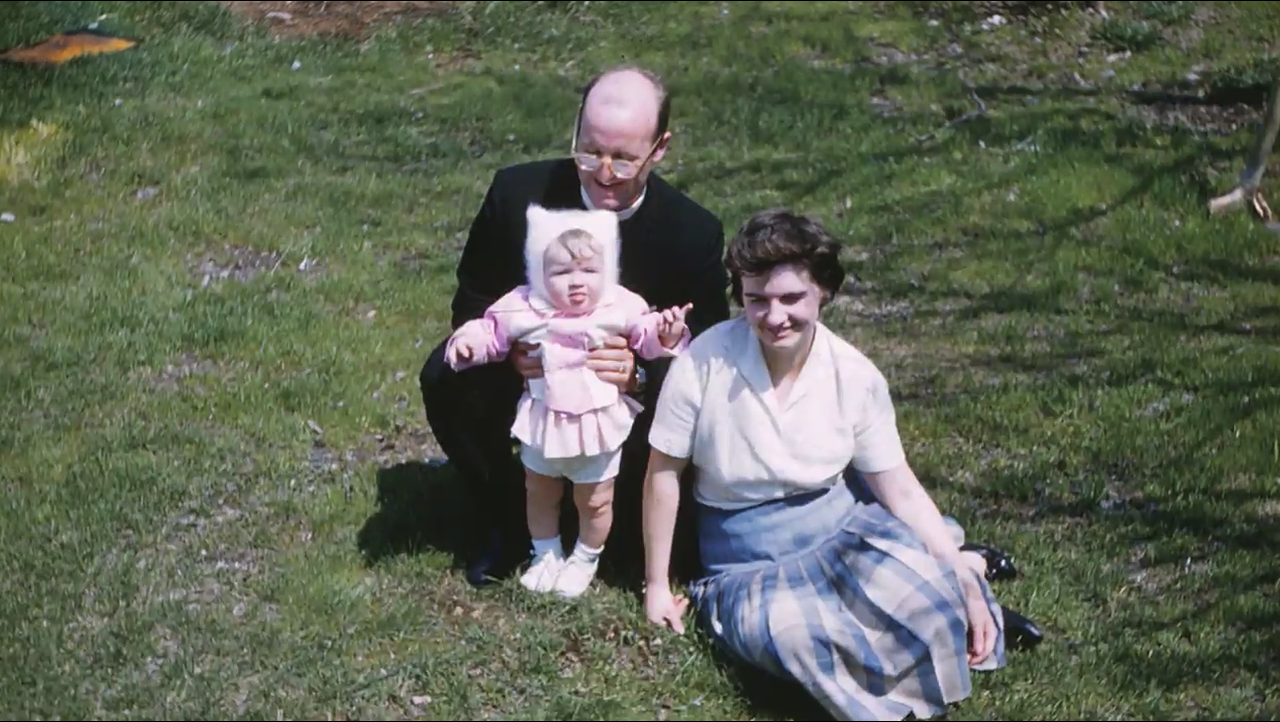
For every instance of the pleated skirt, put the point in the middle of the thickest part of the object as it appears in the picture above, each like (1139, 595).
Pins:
(842, 597)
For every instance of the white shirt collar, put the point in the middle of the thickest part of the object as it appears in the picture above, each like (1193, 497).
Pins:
(814, 375)
(623, 214)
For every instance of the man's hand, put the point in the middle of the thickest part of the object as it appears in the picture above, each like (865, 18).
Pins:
(614, 363)
(528, 366)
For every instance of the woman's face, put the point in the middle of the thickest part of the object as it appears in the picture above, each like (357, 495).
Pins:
(782, 306)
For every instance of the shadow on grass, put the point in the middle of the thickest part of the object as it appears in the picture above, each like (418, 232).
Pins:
(1037, 235)
(1176, 508)
(771, 697)
(1192, 583)
(1170, 504)
(424, 507)
(420, 508)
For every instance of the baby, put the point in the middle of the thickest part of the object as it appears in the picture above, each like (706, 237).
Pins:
(570, 424)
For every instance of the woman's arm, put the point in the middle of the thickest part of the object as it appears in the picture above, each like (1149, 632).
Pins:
(903, 495)
(877, 445)
(661, 500)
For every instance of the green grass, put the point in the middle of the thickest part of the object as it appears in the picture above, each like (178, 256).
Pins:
(211, 421)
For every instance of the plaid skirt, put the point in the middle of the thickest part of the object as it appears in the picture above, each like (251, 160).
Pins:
(842, 597)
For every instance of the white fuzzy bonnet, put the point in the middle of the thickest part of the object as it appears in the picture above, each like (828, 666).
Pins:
(545, 225)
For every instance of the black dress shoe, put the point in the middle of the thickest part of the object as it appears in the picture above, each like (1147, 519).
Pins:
(1020, 632)
(487, 565)
(999, 565)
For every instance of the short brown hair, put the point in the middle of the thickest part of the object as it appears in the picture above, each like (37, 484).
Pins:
(777, 237)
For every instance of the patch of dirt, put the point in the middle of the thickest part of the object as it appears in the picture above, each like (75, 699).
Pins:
(185, 367)
(240, 263)
(341, 19)
(401, 443)
(1149, 578)
(1192, 111)
(1061, 50)
(364, 311)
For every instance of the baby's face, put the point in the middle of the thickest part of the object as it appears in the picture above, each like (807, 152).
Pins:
(573, 285)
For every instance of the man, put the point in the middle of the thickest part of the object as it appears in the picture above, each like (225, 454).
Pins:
(671, 254)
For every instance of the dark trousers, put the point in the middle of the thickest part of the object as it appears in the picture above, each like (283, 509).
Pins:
(471, 412)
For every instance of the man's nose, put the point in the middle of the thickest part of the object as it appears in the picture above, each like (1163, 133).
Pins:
(605, 174)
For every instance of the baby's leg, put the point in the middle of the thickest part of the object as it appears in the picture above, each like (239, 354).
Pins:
(595, 512)
(543, 510)
(542, 504)
(592, 478)
(594, 500)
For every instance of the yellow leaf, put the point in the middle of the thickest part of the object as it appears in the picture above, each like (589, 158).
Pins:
(62, 47)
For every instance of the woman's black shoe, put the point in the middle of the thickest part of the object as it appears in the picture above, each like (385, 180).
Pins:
(999, 566)
(1020, 632)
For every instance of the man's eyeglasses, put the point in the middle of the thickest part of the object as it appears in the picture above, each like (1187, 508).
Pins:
(620, 167)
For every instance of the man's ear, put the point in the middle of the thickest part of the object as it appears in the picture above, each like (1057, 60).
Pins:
(661, 150)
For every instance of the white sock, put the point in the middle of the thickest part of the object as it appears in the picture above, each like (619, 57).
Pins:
(586, 553)
(553, 545)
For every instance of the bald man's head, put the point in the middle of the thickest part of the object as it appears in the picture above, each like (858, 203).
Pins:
(623, 122)
(631, 91)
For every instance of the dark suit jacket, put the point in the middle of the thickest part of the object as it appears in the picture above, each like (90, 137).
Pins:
(672, 248)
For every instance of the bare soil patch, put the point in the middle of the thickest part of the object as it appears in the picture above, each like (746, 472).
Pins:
(241, 264)
(340, 19)
(403, 443)
(189, 368)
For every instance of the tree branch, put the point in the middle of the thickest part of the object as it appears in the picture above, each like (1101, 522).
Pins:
(1255, 165)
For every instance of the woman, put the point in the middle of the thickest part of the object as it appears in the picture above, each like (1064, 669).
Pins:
(873, 608)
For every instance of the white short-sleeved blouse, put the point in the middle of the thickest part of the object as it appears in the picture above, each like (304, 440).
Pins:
(717, 408)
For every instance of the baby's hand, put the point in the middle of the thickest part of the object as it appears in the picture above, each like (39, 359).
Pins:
(671, 327)
(460, 351)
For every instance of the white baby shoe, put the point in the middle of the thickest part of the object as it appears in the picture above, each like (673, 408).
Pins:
(575, 577)
(541, 575)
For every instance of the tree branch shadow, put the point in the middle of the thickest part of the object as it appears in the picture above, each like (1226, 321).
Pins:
(1202, 540)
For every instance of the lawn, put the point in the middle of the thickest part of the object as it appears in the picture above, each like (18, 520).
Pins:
(230, 252)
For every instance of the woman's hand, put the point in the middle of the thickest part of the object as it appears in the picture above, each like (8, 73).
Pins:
(982, 626)
(663, 608)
